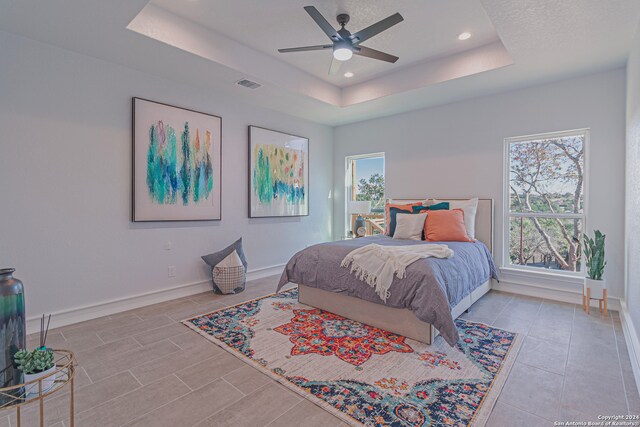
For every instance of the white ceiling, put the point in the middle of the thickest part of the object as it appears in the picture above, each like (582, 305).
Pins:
(430, 29)
(268, 67)
(545, 39)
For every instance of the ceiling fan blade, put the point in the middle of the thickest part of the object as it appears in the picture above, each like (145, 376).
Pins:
(323, 23)
(305, 48)
(375, 54)
(335, 66)
(376, 28)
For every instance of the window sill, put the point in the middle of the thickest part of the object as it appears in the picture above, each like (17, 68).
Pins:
(540, 278)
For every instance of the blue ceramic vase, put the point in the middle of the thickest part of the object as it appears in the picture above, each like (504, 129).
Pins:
(12, 327)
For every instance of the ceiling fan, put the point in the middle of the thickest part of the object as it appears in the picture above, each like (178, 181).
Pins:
(345, 44)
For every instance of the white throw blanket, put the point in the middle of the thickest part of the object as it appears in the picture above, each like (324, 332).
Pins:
(376, 264)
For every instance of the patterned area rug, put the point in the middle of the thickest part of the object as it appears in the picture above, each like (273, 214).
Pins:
(365, 375)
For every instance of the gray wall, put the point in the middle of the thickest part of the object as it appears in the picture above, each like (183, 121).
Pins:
(456, 150)
(633, 183)
(65, 171)
(65, 180)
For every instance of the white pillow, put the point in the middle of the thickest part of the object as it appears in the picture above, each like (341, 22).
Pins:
(469, 207)
(232, 260)
(409, 226)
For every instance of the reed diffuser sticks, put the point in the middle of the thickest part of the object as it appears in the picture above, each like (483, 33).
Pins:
(44, 332)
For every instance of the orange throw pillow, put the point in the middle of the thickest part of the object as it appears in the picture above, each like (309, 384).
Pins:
(446, 226)
(387, 212)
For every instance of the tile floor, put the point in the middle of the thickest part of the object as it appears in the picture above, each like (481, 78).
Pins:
(143, 368)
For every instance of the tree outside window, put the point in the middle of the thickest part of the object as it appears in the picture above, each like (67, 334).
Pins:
(365, 182)
(372, 189)
(545, 216)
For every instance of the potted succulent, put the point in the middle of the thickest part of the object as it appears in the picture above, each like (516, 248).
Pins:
(37, 364)
(594, 257)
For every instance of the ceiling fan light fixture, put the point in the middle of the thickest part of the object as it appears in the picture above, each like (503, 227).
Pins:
(342, 51)
(345, 44)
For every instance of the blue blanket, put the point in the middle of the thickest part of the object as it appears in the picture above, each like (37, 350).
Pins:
(432, 286)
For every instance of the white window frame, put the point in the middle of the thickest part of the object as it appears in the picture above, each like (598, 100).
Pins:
(347, 179)
(507, 215)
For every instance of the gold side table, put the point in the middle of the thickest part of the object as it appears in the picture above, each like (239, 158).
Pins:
(17, 397)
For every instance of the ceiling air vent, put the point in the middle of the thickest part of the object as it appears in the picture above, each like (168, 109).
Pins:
(248, 84)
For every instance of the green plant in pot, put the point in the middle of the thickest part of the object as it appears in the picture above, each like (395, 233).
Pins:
(595, 263)
(37, 364)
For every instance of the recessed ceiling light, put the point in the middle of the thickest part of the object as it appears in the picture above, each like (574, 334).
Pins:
(464, 36)
(348, 74)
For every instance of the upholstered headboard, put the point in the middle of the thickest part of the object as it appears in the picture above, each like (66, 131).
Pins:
(484, 217)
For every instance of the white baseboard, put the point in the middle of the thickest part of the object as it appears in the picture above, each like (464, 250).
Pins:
(260, 273)
(631, 338)
(551, 292)
(106, 308)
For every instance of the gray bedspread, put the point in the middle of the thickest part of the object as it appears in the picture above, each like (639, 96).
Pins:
(431, 286)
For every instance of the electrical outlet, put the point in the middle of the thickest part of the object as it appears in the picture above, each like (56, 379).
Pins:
(171, 271)
(167, 246)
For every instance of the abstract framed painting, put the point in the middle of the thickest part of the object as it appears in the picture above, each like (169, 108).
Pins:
(177, 163)
(278, 174)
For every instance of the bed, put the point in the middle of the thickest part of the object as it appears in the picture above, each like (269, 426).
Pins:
(421, 306)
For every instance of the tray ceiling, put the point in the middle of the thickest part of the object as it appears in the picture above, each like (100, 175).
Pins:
(430, 29)
(244, 35)
(537, 41)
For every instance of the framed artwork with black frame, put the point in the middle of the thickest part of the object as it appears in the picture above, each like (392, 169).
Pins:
(177, 163)
(278, 174)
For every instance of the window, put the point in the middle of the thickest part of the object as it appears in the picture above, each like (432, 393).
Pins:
(364, 181)
(545, 201)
